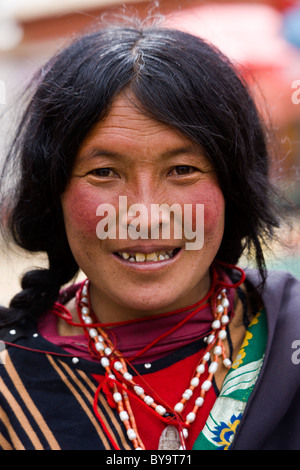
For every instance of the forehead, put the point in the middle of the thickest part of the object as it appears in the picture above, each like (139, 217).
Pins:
(127, 125)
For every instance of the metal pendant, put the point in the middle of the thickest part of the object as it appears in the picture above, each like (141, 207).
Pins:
(169, 439)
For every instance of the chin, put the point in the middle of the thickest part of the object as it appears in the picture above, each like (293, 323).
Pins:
(150, 305)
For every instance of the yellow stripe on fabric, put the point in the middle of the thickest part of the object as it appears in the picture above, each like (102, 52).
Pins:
(17, 444)
(20, 415)
(35, 413)
(109, 411)
(87, 394)
(80, 401)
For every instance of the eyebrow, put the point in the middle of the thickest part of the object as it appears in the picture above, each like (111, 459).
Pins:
(99, 152)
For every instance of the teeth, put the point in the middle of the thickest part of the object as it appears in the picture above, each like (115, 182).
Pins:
(151, 257)
(141, 257)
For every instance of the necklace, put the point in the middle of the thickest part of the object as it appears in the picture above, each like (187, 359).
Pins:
(120, 385)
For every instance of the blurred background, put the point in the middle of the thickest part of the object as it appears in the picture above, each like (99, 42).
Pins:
(261, 37)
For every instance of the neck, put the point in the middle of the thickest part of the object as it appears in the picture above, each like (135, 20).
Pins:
(107, 311)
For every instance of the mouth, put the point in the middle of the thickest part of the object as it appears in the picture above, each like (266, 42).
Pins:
(142, 257)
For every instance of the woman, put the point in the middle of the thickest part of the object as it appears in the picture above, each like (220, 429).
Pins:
(166, 344)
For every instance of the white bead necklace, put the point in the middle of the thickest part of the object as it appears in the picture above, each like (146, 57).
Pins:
(116, 369)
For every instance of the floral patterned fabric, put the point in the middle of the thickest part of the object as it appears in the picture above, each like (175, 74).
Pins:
(225, 416)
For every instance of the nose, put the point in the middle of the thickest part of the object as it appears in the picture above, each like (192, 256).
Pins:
(149, 220)
(140, 216)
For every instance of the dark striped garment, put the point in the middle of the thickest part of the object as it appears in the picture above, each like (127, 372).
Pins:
(46, 398)
(47, 403)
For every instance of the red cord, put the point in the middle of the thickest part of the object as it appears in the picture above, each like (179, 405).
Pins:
(95, 408)
(216, 279)
(57, 308)
(63, 313)
(36, 350)
(135, 320)
(232, 266)
(167, 333)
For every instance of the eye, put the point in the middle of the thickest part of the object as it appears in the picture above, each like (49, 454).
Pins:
(104, 173)
(182, 170)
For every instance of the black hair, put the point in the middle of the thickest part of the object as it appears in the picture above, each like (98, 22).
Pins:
(176, 78)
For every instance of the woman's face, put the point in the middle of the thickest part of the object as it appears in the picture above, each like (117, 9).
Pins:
(128, 159)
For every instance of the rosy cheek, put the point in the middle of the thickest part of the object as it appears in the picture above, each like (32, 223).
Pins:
(80, 206)
(211, 199)
(214, 208)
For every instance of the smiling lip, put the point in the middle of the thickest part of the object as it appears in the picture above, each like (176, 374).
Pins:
(146, 249)
(142, 257)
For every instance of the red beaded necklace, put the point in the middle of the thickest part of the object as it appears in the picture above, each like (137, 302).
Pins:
(119, 385)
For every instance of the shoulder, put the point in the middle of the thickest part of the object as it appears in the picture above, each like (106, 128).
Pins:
(12, 333)
(281, 299)
(280, 291)
(274, 278)
(10, 338)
